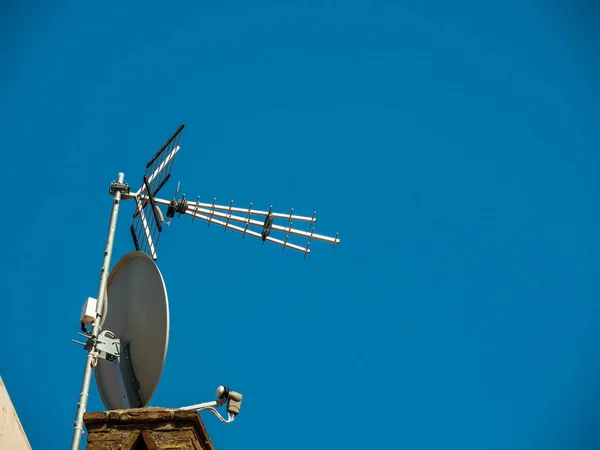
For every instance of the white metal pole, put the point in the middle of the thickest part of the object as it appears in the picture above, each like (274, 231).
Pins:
(92, 355)
(199, 406)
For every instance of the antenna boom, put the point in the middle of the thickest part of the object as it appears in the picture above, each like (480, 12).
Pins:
(204, 211)
(254, 212)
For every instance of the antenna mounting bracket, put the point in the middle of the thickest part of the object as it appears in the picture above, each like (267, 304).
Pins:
(119, 187)
(108, 348)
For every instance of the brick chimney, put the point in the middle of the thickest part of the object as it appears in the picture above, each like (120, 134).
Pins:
(146, 429)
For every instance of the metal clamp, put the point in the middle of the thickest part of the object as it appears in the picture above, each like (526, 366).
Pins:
(119, 187)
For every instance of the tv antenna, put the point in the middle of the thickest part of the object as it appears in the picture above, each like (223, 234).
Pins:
(127, 343)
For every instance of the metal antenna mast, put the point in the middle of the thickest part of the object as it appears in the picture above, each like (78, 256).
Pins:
(147, 225)
(116, 189)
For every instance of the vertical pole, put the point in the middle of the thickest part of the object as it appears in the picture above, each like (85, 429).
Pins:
(92, 356)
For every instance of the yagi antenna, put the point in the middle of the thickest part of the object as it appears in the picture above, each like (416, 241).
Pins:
(127, 343)
(227, 217)
(148, 218)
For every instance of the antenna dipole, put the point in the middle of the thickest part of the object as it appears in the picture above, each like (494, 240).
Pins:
(117, 189)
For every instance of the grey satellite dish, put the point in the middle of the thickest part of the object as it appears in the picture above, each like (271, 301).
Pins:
(138, 316)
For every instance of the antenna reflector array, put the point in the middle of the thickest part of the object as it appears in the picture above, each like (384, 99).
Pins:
(147, 218)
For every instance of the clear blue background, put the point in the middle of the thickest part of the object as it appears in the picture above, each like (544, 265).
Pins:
(454, 146)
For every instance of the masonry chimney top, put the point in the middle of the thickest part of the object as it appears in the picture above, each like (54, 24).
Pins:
(146, 429)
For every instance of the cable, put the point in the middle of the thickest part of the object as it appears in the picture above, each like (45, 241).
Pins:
(109, 333)
(104, 305)
(219, 416)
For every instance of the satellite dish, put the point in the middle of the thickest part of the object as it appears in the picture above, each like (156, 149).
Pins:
(138, 315)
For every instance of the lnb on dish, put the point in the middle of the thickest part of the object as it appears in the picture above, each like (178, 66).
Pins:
(234, 399)
(224, 395)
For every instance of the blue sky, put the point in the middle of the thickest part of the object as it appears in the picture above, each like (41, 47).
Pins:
(454, 147)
